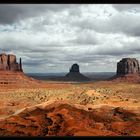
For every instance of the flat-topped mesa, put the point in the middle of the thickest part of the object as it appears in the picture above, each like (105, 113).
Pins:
(128, 66)
(9, 63)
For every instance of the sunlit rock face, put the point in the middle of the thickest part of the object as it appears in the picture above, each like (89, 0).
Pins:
(11, 73)
(61, 118)
(9, 63)
(128, 66)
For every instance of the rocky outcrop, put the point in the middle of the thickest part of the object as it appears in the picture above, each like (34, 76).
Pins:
(75, 75)
(8, 62)
(64, 119)
(128, 66)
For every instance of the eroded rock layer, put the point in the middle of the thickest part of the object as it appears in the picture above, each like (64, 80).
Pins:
(128, 66)
(9, 62)
(64, 119)
(11, 79)
(11, 72)
(128, 70)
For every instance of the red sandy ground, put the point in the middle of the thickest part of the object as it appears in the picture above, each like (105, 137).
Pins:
(111, 109)
(64, 119)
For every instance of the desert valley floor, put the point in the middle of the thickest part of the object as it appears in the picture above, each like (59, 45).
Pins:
(104, 108)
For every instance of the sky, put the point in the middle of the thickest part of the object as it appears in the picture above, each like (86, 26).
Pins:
(52, 37)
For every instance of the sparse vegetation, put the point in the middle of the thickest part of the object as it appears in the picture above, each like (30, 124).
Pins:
(84, 94)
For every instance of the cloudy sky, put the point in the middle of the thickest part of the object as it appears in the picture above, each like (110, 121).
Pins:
(50, 38)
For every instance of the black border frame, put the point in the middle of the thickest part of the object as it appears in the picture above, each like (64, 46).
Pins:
(71, 2)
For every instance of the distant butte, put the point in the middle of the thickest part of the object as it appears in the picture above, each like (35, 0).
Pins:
(128, 66)
(9, 62)
(75, 75)
(11, 72)
(128, 69)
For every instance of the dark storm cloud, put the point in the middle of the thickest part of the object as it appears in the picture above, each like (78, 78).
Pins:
(115, 52)
(32, 63)
(129, 24)
(86, 58)
(127, 7)
(10, 13)
(126, 23)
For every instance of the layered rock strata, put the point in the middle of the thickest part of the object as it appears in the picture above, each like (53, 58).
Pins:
(128, 70)
(128, 66)
(9, 62)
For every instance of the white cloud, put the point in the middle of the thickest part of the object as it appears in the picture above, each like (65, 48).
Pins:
(50, 38)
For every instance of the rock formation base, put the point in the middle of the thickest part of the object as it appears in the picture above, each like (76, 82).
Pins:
(15, 79)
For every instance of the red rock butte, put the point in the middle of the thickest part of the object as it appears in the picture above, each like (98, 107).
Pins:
(128, 70)
(128, 66)
(9, 62)
(11, 72)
